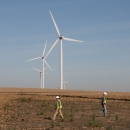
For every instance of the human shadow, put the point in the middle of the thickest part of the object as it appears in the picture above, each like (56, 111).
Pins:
(48, 118)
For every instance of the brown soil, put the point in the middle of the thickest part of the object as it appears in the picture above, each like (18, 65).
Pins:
(33, 109)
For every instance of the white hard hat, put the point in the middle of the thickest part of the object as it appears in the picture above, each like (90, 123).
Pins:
(57, 97)
(105, 93)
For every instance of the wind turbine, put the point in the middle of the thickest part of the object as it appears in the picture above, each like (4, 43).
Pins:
(43, 60)
(64, 83)
(40, 75)
(60, 38)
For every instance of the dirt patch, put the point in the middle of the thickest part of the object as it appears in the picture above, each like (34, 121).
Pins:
(34, 111)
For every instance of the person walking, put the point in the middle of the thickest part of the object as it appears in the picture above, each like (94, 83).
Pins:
(103, 103)
(58, 108)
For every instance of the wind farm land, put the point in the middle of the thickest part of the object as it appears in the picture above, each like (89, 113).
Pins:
(103, 60)
(33, 109)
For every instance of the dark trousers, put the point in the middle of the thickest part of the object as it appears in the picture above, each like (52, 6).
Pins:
(104, 109)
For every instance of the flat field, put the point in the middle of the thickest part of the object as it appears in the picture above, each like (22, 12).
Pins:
(33, 109)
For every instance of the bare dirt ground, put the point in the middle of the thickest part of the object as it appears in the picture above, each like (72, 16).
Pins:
(33, 109)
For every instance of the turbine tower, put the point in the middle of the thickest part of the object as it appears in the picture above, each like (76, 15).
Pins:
(43, 60)
(40, 75)
(60, 38)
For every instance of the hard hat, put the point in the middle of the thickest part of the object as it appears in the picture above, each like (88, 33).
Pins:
(105, 93)
(57, 97)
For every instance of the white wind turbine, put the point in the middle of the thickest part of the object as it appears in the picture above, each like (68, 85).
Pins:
(64, 83)
(43, 60)
(40, 75)
(60, 38)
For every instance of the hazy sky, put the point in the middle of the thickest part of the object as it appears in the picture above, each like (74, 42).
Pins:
(101, 63)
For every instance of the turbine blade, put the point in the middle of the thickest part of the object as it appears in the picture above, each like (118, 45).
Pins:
(73, 40)
(45, 68)
(52, 48)
(58, 32)
(35, 58)
(36, 69)
(48, 65)
(44, 49)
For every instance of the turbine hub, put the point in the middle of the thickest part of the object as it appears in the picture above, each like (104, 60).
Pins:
(61, 37)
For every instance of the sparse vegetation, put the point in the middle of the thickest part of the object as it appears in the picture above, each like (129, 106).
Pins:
(24, 99)
(94, 118)
(71, 119)
(39, 113)
(93, 122)
(52, 125)
(117, 117)
(36, 112)
(109, 128)
(5, 106)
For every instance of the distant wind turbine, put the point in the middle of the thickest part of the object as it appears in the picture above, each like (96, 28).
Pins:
(40, 74)
(43, 60)
(60, 38)
(64, 83)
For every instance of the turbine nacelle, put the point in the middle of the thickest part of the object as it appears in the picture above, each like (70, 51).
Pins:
(61, 37)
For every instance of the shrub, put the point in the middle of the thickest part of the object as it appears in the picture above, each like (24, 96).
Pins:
(52, 124)
(24, 99)
(95, 124)
(71, 119)
(109, 128)
(8, 120)
(39, 113)
(5, 106)
(117, 117)
(94, 118)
